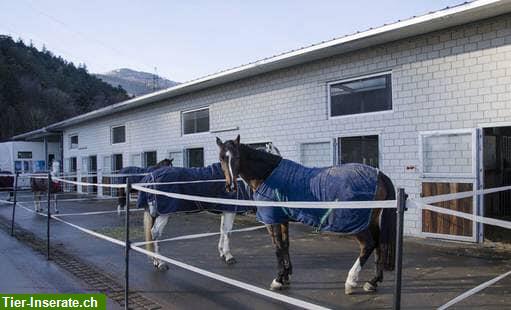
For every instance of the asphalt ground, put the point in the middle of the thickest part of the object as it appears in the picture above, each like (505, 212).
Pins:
(434, 271)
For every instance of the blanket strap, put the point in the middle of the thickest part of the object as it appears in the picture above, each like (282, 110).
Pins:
(280, 198)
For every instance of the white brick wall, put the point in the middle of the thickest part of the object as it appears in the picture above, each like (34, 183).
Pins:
(451, 79)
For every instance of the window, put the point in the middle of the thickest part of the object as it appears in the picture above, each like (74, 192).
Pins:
(93, 163)
(24, 155)
(195, 121)
(117, 162)
(362, 149)
(73, 142)
(150, 159)
(364, 95)
(72, 164)
(195, 157)
(118, 134)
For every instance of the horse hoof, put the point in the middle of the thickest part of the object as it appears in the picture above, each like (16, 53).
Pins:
(368, 287)
(163, 267)
(276, 285)
(348, 290)
(230, 261)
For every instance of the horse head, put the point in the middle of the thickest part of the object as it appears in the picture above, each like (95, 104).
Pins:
(230, 161)
(165, 163)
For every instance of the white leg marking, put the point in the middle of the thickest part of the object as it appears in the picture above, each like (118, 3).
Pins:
(226, 229)
(152, 209)
(352, 279)
(222, 236)
(157, 231)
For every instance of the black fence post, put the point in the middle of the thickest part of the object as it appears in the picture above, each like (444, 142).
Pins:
(401, 206)
(14, 201)
(48, 215)
(128, 244)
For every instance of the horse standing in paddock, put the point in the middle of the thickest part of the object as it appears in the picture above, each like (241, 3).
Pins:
(7, 183)
(158, 208)
(273, 178)
(135, 178)
(39, 186)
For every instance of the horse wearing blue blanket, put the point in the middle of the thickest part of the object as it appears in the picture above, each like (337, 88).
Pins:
(273, 178)
(207, 181)
(134, 174)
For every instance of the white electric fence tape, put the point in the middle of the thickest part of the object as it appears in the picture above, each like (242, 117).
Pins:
(90, 184)
(196, 236)
(286, 204)
(474, 291)
(98, 212)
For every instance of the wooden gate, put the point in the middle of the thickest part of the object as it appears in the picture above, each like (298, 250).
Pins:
(435, 223)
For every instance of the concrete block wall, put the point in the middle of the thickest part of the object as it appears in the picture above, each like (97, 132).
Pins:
(451, 79)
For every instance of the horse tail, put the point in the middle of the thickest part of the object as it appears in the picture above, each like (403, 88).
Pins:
(148, 225)
(388, 224)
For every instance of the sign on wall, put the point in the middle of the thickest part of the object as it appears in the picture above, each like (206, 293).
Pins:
(24, 155)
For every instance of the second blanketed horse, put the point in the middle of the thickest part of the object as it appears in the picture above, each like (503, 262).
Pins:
(207, 182)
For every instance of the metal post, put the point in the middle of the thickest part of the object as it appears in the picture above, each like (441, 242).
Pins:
(48, 217)
(128, 244)
(14, 201)
(401, 206)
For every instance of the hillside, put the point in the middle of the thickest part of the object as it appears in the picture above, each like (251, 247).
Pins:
(136, 83)
(38, 88)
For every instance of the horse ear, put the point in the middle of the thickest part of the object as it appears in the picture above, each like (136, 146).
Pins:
(171, 160)
(219, 142)
(237, 140)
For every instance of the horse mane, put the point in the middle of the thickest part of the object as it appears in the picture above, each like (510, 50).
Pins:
(256, 163)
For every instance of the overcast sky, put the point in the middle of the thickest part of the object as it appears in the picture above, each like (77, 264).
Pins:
(189, 39)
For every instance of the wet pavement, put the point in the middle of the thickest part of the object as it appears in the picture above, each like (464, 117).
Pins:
(26, 271)
(434, 271)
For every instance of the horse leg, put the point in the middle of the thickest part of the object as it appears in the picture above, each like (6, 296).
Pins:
(148, 224)
(37, 201)
(156, 232)
(367, 245)
(121, 200)
(288, 267)
(275, 231)
(55, 203)
(227, 223)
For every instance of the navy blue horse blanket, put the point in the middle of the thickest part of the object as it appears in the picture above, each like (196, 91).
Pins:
(293, 182)
(166, 205)
(137, 174)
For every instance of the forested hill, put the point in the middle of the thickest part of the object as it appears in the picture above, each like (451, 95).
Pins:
(38, 88)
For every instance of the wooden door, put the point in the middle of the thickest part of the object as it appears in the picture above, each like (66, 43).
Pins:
(443, 224)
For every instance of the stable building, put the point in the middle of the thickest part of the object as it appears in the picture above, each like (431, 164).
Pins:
(427, 100)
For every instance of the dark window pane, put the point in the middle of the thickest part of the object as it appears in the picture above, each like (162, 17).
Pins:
(361, 96)
(118, 134)
(72, 164)
(93, 163)
(362, 150)
(117, 162)
(74, 141)
(149, 159)
(196, 121)
(195, 157)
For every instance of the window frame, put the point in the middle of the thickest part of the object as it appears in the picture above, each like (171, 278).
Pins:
(360, 77)
(338, 145)
(186, 163)
(195, 110)
(112, 134)
(144, 158)
(71, 143)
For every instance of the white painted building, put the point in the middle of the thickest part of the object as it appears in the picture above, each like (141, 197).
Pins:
(423, 99)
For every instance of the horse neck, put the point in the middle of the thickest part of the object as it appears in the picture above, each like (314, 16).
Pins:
(256, 166)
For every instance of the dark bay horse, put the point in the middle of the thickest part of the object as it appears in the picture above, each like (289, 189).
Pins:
(138, 174)
(7, 183)
(39, 186)
(158, 208)
(273, 178)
